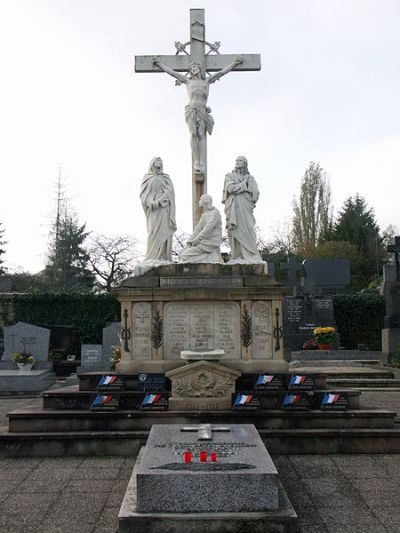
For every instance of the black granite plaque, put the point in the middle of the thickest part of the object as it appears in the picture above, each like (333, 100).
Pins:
(267, 382)
(334, 401)
(151, 382)
(110, 382)
(154, 401)
(105, 402)
(299, 382)
(296, 401)
(243, 401)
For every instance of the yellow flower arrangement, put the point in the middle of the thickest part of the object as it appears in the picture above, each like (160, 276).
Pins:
(324, 335)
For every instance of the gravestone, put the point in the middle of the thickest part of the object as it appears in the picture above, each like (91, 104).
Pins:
(111, 339)
(301, 315)
(205, 478)
(92, 359)
(391, 291)
(327, 276)
(311, 306)
(24, 337)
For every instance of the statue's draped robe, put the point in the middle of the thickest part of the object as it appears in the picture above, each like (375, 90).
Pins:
(208, 232)
(240, 196)
(161, 223)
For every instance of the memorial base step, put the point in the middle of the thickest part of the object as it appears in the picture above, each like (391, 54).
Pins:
(128, 443)
(46, 420)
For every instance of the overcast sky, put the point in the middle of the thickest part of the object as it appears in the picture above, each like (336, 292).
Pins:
(328, 90)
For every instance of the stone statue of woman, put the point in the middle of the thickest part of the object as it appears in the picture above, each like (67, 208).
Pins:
(240, 196)
(158, 201)
(197, 114)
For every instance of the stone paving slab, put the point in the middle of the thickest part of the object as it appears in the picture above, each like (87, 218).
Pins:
(331, 494)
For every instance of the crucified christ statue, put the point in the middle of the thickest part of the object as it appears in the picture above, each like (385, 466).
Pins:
(197, 114)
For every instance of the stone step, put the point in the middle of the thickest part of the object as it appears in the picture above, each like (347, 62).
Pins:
(128, 443)
(362, 383)
(73, 399)
(34, 420)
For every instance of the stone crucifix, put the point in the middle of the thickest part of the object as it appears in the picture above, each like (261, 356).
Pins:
(196, 66)
(205, 431)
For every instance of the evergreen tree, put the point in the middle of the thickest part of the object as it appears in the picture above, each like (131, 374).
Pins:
(356, 225)
(312, 217)
(2, 250)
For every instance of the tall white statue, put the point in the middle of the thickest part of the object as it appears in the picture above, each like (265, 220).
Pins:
(197, 114)
(203, 246)
(158, 201)
(240, 196)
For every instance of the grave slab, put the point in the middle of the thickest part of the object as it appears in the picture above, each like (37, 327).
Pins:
(244, 477)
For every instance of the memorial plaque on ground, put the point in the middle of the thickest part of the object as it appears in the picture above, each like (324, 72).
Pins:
(105, 402)
(201, 326)
(296, 401)
(245, 402)
(110, 382)
(270, 382)
(152, 382)
(154, 401)
(333, 401)
(298, 382)
(24, 337)
(243, 478)
(92, 358)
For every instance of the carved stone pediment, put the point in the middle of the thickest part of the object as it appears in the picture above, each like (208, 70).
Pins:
(202, 380)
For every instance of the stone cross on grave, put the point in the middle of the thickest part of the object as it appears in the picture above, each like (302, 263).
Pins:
(204, 431)
(197, 65)
(292, 267)
(395, 248)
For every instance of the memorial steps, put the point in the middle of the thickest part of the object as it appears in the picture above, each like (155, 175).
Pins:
(66, 425)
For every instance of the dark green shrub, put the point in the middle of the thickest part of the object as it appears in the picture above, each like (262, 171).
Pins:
(88, 313)
(359, 319)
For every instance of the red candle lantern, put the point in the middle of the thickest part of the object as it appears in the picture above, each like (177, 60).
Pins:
(187, 457)
(213, 457)
(203, 456)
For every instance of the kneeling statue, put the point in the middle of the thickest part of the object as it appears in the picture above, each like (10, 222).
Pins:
(203, 246)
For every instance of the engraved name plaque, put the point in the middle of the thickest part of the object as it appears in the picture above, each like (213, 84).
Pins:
(201, 326)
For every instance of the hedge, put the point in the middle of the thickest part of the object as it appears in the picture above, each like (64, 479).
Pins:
(359, 319)
(88, 313)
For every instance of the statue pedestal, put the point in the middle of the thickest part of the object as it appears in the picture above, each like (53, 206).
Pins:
(199, 307)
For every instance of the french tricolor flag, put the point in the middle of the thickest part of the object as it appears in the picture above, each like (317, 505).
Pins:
(151, 398)
(291, 399)
(102, 399)
(297, 380)
(243, 399)
(263, 379)
(330, 398)
(107, 380)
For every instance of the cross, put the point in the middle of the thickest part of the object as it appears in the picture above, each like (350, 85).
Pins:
(209, 61)
(204, 431)
(395, 248)
(292, 266)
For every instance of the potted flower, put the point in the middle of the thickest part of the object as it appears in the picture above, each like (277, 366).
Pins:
(23, 360)
(310, 344)
(115, 357)
(324, 337)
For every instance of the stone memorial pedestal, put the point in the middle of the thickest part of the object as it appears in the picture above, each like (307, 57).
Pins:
(203, 386)
(241, 489)
(202, 307)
